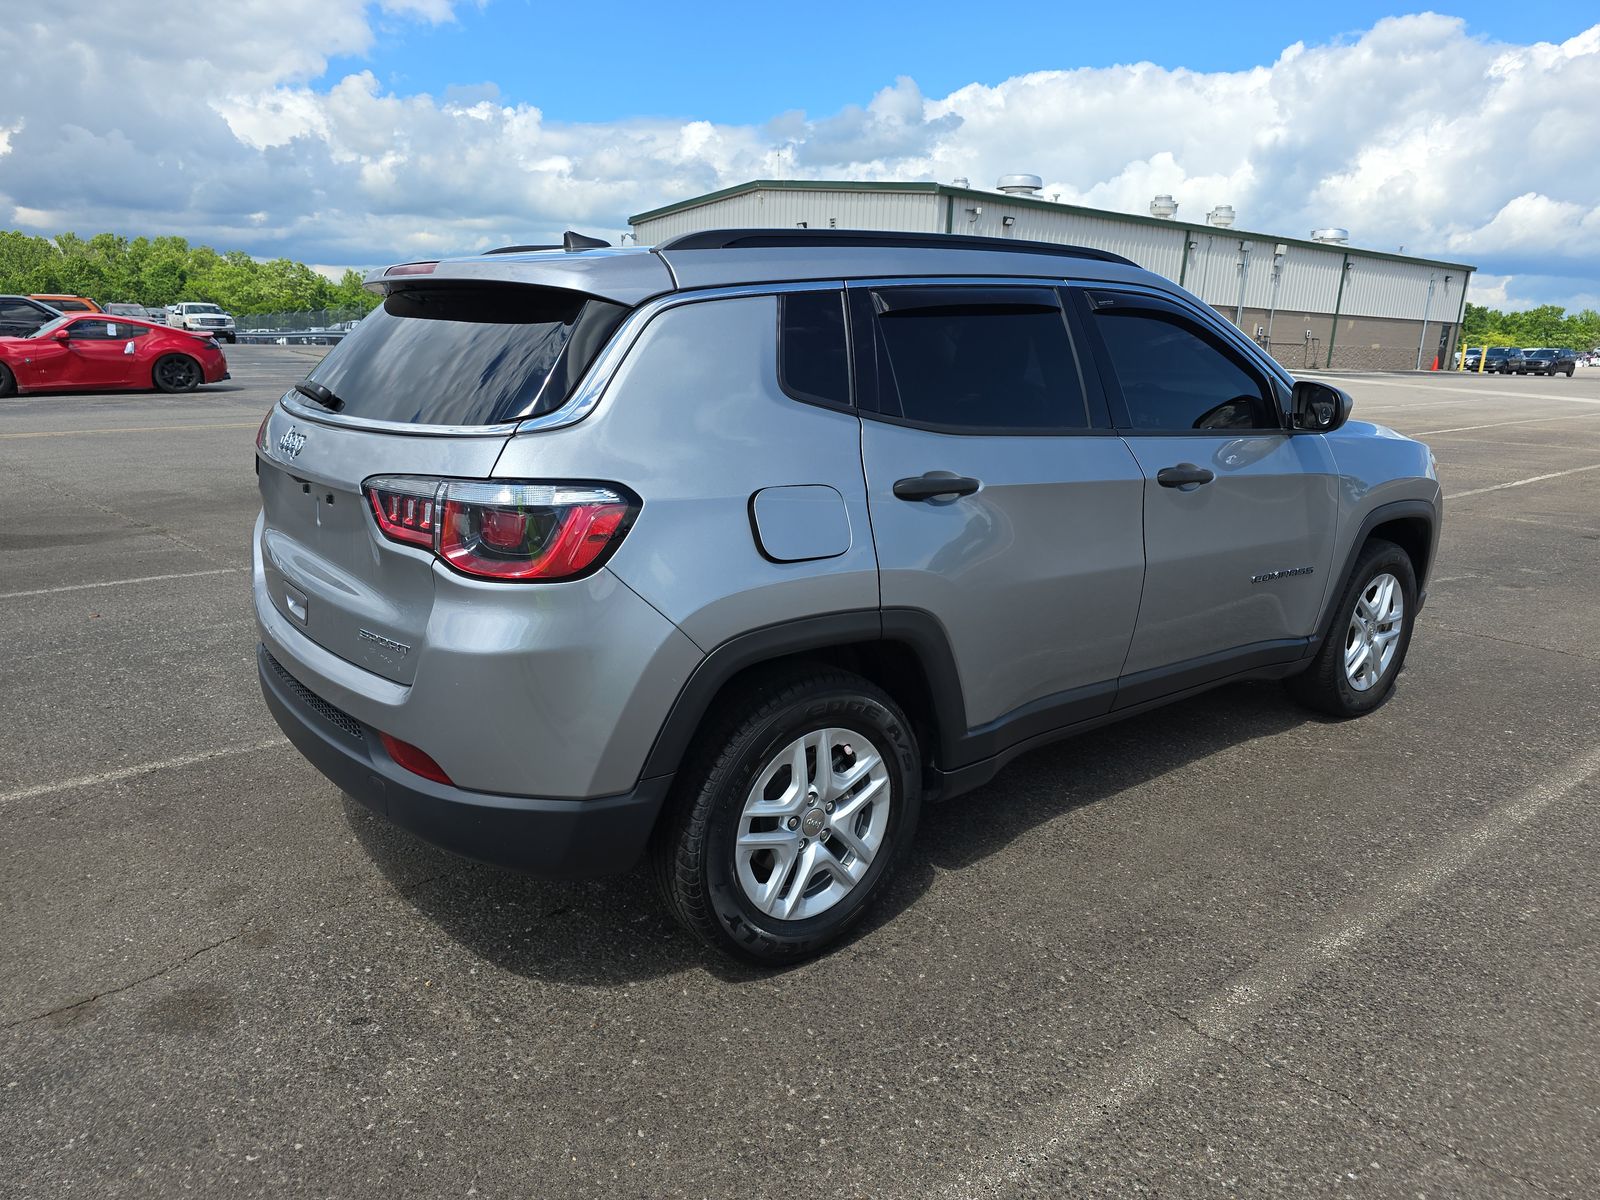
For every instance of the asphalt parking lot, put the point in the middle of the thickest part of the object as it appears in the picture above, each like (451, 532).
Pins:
(1223, 948)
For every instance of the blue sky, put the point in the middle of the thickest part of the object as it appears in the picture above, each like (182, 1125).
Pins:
(358, 132)
(747, 62)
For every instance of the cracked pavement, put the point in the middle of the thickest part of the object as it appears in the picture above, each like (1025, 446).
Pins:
(1222, 948)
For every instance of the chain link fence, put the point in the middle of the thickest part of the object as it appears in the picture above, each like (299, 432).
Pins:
(319, 327)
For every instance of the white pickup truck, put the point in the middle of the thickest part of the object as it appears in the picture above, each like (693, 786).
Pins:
(202, 318)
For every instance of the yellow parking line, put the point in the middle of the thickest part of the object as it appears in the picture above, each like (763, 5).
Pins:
(129, 429)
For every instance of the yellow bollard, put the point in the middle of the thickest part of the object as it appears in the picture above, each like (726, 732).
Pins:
(1483, 358)
(1461, 358)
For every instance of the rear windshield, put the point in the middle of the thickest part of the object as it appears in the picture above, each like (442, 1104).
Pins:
(443, 355)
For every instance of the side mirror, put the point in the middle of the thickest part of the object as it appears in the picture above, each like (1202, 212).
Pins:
(62, 335)
(1318, 407)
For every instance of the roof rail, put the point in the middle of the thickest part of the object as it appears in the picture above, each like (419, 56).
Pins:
(570, 241)
(766, 239)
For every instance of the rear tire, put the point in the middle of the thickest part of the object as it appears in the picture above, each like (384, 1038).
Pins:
(768, 866)
(176, 373)
(8, 381)
(1355, 669)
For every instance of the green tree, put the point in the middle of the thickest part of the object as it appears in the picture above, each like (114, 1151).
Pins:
(165, 270)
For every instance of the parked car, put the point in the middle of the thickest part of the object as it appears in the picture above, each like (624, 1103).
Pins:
(21, 315)
(1548, 360)
(203, 318)
(123, 309)
(93, 352)
(1505, 360)
(68, 304)
(713, 558)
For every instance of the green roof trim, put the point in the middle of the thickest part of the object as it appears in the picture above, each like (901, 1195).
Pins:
(940, 189)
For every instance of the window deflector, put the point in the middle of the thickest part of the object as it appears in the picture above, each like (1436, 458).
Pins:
(896, 301)
(1098, 302)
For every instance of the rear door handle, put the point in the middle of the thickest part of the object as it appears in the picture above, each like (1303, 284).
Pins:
(935, 483)
(1182, 475)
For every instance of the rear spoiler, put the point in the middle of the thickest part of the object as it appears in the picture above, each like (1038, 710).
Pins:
(626, 276)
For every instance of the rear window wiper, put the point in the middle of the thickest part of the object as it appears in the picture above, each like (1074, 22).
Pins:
(319, 394)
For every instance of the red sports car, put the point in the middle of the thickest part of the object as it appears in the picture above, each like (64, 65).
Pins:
(97, 352)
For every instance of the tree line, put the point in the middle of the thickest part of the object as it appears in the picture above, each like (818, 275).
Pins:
(1547, 325)
(165, 270)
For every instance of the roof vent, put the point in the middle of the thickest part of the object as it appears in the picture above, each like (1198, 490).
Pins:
(961, 181)
(1221, 216)
(1332, 236)
(1164, 206)
(1020, 185)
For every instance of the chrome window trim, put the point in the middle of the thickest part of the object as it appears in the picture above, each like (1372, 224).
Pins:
(292, 404)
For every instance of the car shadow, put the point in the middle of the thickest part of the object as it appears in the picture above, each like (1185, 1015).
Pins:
(613, 932)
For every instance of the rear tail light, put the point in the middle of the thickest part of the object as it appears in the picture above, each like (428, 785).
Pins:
(528, 532)
(407, 509)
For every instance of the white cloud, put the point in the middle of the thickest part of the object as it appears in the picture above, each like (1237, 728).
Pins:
(1404, 134)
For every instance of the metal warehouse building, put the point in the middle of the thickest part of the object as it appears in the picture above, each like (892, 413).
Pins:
(1313, 303)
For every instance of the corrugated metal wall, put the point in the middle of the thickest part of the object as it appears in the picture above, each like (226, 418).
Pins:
(1152, 247)
(915, 212)
(1307, 276)
(1378, 288)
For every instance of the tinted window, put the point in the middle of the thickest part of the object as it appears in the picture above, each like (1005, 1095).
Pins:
(48, 328)
(443, 355)
(812, 355)
(93, 331)
(1175, 374)
(22, 313)
(985, 360)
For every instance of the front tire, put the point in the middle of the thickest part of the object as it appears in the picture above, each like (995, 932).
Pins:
(8, 381)
(791, 814)
(1355, 668)
(176, 373)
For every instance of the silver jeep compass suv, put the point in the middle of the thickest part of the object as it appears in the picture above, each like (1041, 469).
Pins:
(734, 552)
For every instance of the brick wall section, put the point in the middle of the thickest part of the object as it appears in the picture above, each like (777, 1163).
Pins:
(1362, 344)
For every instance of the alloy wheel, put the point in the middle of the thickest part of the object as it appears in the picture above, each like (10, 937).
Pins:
(178, 374)
(813, 821)
(1374, 632)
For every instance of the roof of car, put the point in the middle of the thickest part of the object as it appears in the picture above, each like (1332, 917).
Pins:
(726, 258)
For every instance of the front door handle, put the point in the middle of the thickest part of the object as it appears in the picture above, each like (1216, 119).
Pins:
(1183, 475)
(935, 483)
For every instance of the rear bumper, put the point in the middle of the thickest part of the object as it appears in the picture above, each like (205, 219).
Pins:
(558, 839)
